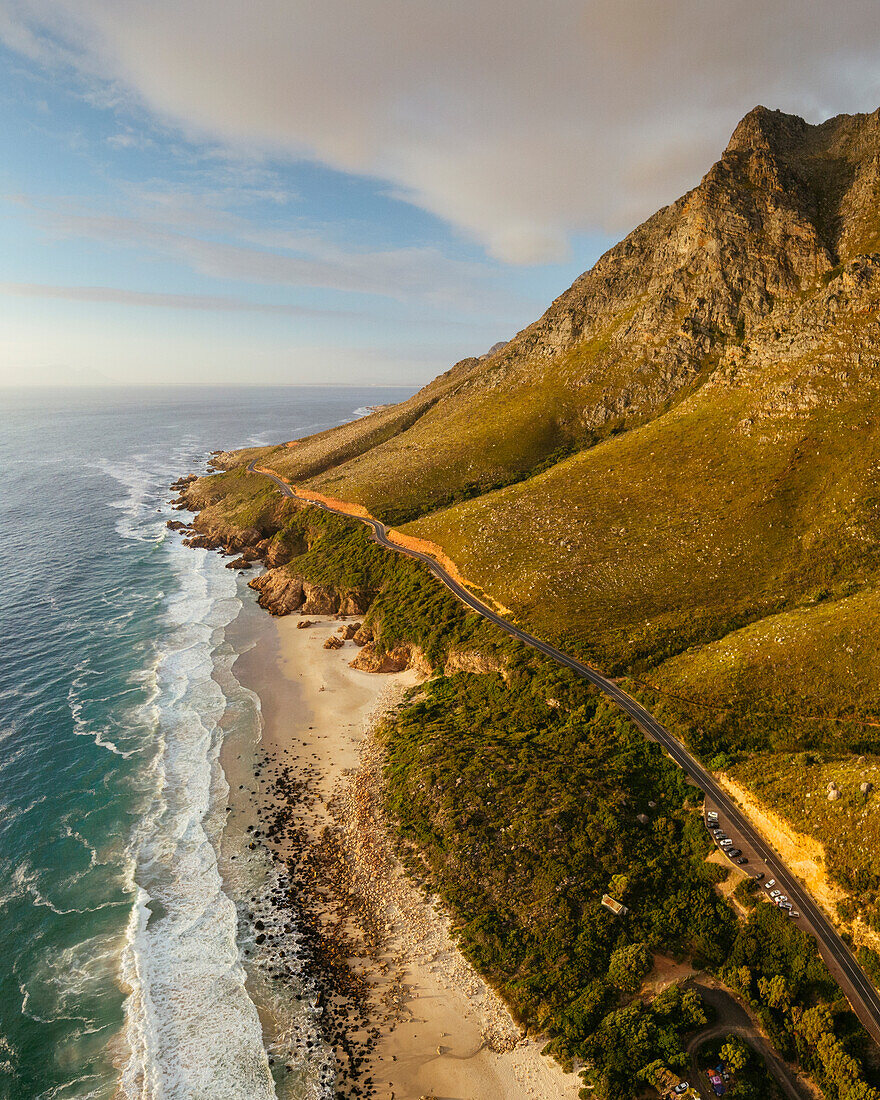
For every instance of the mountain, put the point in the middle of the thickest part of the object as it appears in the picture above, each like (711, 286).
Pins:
(675, 473)
(687, 440)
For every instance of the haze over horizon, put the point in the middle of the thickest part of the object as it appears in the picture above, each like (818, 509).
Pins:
(196, 193)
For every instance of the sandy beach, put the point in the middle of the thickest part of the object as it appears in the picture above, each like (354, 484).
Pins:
(417, 1020)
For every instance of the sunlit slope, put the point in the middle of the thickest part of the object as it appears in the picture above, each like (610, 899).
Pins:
(756, 493)
(647, 326)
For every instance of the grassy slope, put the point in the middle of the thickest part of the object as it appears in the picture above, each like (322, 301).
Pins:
(682, 529)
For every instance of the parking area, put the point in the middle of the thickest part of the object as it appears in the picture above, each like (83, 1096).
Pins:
(739, 854)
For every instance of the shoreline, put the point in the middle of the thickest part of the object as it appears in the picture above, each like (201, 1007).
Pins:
(407, 1014)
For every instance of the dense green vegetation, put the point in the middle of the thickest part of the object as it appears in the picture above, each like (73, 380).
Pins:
(522, 796)
(520, 801)
(777, 969)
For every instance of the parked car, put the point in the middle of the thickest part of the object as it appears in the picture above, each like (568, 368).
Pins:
(793, 913)
(680, 1088)
(732, 853)
(770, 883)
(759, 876)
(742, 860)
(775, 894)
(726, 842)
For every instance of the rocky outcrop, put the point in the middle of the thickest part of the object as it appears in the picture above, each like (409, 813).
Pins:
(333, 642)
(183, 483)
(362, 635)
(370, 659)
(373, 659)
(281, 592)
(349, 630)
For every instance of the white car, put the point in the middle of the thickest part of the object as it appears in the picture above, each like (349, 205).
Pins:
(793, 913)
(775, 894)
(770, 883)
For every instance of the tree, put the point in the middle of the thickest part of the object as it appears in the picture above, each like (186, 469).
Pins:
(629, 965)
(734, 1054)
(774, 991)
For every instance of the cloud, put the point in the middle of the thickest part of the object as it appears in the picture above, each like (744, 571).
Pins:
(118, 296)
(518, 121)
(186, 227)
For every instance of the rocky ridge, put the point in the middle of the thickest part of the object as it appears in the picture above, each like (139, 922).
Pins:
(705, 286)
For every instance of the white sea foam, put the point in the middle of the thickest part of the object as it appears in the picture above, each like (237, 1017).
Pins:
(193, 1032)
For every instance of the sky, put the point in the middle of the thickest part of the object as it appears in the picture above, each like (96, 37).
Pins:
(364, 192)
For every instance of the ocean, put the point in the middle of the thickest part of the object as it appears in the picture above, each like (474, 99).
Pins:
(126, 971)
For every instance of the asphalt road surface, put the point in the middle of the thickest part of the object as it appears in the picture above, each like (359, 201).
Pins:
(853, 981)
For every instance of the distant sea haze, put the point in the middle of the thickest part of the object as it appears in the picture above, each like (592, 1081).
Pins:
(121, 952)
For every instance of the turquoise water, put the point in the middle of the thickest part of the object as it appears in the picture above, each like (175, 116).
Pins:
(120, 948)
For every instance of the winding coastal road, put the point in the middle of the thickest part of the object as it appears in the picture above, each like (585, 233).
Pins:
(853, 981)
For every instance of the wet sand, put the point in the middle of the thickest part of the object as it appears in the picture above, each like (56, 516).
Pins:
(419, 1021)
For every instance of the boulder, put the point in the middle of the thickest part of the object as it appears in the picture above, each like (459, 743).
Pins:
(333, 642)
(833, 794)
(362, 635)
(239, 563)
(349, 630)
(866, 788)
(304, 624)
(176, 525)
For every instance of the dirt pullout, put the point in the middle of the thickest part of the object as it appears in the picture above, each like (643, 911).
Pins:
(805, 856)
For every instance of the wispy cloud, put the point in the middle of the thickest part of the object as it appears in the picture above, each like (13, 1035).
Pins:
(117, 296)
(253, 254)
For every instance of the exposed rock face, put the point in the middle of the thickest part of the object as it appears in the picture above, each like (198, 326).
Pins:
(362, 635)
(412, 656)
(369, 660)
(333, 642)
(281, 592)
(349, 630)
(182, 482)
